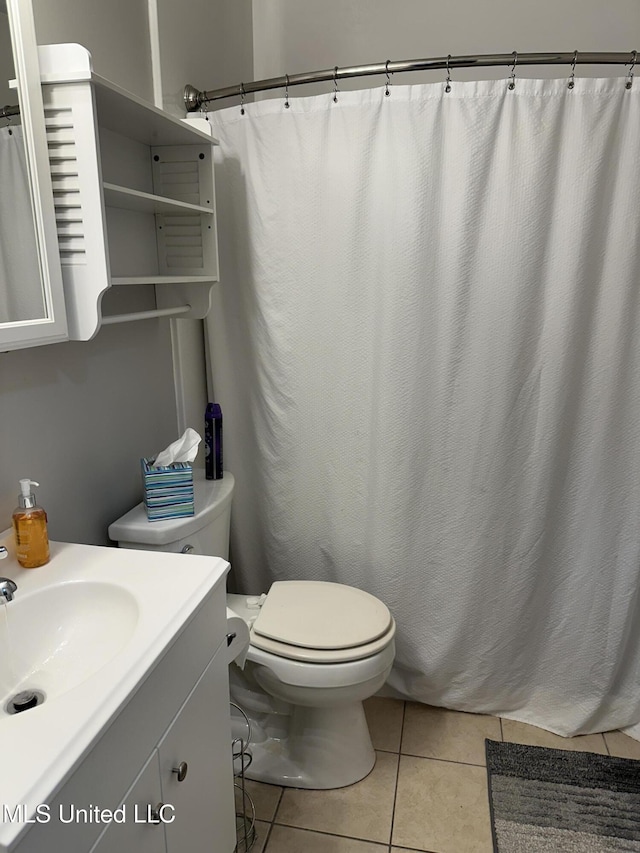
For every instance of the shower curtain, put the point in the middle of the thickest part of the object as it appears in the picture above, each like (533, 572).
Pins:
(426, 343)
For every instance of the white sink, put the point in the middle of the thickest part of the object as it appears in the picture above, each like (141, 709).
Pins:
(85, 631)
(53, 639)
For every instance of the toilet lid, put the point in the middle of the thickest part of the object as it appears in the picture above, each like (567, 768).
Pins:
(321, 615)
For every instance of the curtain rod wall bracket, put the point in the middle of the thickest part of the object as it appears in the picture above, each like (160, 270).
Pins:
(192, 98)
(9, 110)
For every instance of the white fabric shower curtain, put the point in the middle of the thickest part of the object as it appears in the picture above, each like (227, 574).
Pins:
(426, 343)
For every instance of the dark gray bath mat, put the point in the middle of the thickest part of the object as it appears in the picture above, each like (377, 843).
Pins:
(556, 801)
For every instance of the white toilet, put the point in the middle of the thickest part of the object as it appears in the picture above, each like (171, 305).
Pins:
(317, 651)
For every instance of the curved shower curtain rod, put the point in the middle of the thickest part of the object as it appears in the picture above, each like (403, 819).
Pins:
(194, 99)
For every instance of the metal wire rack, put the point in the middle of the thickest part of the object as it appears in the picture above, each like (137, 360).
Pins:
(245, 809)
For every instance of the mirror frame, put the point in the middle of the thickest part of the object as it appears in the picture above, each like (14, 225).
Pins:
(53, 327)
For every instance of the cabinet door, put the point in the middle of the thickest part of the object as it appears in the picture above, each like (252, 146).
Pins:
(137, 833)
(196, 769)
(32, 308)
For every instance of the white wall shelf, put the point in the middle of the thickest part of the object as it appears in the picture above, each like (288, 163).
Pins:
(134, 195)
(128, 199)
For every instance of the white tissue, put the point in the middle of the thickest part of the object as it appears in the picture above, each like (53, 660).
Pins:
(238, 646)
(185, 449)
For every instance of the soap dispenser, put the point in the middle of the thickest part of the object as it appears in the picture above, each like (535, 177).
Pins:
(30, 528)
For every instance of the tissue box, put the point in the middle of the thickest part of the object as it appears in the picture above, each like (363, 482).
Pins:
(168, 492)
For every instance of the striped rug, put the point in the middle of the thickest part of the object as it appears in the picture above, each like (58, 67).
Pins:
(556, 801)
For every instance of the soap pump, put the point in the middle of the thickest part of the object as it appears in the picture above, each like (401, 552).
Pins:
(30, 528)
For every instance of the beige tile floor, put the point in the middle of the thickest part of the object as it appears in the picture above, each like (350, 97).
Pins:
(427, 792)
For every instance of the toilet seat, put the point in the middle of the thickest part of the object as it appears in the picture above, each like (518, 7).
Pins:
(319, 656)
(321, 622)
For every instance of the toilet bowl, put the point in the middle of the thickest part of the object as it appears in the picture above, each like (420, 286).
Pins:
(317, 651)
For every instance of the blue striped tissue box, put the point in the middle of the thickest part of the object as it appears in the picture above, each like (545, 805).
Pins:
(168, 492)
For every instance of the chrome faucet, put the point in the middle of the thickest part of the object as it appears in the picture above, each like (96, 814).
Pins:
(7, 588)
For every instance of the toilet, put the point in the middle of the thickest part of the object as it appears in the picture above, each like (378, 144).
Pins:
(317, 650)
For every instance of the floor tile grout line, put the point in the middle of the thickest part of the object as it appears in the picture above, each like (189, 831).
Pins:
(271, 822)
(266, 841)
(395, 790)
(446, 760)
(410, 849)
(277, 808)
(402, 725)
(332, 834)
(381, 844)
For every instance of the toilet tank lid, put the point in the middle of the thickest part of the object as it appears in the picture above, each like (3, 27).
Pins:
(211, 498)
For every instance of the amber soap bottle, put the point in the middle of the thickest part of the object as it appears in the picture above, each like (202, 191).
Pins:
(30, 529)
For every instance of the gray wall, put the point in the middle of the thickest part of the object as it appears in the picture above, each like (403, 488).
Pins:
(116, 33)
(7, 95)
(292, 36)
(206, 44)
(78, 416)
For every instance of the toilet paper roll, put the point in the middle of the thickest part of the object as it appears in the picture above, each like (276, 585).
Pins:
(237, 638)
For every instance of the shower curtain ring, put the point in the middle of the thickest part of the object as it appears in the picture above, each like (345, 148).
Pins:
(512, 84)
(286, 92)
(572, 79)
(242, 99)
(447, 88)
(386, 71)
(634, 56)
(335, 85)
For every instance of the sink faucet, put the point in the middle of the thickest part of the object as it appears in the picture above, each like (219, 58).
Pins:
(7, 588)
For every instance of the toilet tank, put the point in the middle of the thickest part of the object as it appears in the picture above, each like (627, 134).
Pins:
(206, 532)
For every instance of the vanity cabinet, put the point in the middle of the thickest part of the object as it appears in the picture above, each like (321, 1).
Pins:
(134, 198)
(184, 775)
(178, 716)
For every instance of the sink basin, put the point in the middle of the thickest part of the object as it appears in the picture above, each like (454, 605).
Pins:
(53, 639)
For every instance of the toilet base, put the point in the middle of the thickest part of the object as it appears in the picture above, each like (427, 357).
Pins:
(320, 748)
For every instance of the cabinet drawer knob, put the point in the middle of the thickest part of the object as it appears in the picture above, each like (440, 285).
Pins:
(181, 771)
(156, 814)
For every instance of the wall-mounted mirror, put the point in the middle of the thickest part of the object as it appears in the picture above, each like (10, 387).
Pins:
(31, 296)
